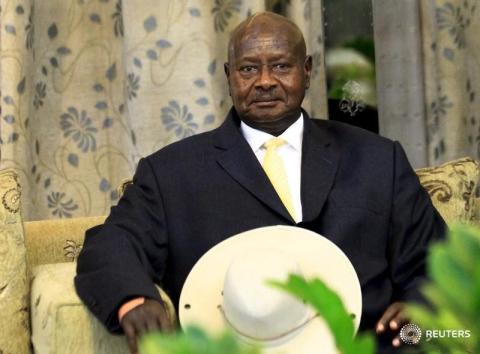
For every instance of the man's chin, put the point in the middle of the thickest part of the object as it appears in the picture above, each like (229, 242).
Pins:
(265, 114)
(264, 120)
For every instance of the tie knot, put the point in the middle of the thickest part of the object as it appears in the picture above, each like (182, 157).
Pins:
(274, 143)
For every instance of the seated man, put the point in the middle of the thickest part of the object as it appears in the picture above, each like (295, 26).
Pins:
(267, 164)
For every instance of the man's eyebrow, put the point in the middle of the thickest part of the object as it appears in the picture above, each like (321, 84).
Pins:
(254, 58)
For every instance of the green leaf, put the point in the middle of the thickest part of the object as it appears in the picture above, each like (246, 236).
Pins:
(453, 292)
(450, 277)
(194, 341)
(465, 247)
(330, 307)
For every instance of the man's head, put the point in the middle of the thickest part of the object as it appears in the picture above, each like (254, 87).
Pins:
(268, 71)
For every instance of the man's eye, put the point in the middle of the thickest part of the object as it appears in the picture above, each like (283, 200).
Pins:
(247, 69)
(281, 66)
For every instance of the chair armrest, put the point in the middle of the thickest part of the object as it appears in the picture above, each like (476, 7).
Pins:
(61, 323)
(56, 241)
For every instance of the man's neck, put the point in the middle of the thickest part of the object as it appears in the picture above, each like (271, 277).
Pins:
(275, 128)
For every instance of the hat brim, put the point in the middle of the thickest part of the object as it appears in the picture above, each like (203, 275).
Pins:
(317, 256)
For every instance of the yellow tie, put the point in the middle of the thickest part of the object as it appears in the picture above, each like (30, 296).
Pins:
(275, 170)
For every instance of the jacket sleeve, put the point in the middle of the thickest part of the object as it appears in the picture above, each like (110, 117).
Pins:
(122, 258)
(415, 224)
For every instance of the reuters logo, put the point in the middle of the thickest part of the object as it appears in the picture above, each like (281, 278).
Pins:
(410, 334)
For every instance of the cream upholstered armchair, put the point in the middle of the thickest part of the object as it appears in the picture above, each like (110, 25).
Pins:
(40, 310)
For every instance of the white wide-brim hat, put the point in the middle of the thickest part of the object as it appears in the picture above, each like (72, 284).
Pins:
(226, 289)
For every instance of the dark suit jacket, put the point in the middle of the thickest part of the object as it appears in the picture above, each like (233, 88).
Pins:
(357, 189)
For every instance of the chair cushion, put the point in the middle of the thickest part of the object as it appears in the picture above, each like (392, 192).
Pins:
(60, 321)
(14, 323)
(452, 188)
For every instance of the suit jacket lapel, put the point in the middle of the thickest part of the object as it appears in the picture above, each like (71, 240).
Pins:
(320, 158)
(237, 158)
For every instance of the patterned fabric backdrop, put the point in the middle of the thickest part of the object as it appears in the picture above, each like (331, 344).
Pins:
(452, 77)
(428, 60)
(90, 86)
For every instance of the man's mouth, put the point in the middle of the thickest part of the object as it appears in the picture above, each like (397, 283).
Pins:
(266, 102)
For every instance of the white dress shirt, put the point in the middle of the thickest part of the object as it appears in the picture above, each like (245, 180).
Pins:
(291, 154)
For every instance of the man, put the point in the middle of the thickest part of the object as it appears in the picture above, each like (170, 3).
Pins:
(353, 187)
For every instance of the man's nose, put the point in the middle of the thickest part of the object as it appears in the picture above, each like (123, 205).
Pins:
(266, 80)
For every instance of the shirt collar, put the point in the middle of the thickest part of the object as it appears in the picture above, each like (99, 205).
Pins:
(256, 138)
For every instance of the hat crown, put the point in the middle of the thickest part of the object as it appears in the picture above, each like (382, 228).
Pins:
(255, 309)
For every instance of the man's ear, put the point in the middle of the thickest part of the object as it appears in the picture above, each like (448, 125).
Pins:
(307, 67)
(226, 67)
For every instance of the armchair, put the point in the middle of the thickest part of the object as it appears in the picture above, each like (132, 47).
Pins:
(41, 312)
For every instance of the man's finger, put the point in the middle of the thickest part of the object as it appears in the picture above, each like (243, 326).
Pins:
(152, 323)
(397, 321)
(396, 342)
(140, 326)
(131, 338)
(166, 323)
(387, 316)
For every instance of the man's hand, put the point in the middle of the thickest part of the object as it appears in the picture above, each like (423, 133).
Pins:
(392, 320)
(150, 316)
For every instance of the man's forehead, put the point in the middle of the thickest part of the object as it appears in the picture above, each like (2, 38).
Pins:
(249, 43)
(266, 32)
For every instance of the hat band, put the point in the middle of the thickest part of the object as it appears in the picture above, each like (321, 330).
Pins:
(269, 339)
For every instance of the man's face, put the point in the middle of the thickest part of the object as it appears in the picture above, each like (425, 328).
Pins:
(267, 75)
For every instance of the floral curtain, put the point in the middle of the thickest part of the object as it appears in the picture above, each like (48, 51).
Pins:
(399, 71)
(89, 86)
(428, 60)
(451, 46)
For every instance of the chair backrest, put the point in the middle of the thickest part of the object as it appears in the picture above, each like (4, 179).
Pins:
(452, 188)
(14, 322)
